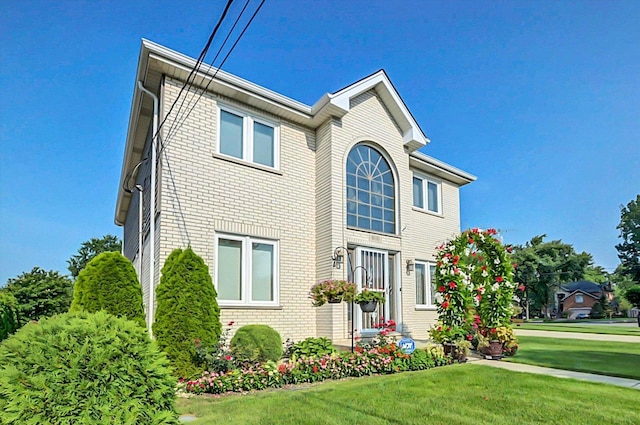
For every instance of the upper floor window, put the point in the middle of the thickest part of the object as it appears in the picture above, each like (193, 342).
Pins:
(248, 138)
(370, 191)
(426, 194)
(579, 298)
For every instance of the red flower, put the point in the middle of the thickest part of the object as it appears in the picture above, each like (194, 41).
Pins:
(456, 271)
(315, 369)
(493, 330)
(227, 357)
(473, 254)
(445, 305)
(456, 260)
(476, 319)
(515, 265)
(452, 285)
(441, 288)
(509, 249)
(439, 328)
(470, 240)
(492, 231)
(231, 323)
(479, 297)
(469, 337)
(483, 268)
(499, 279)
(521, 287)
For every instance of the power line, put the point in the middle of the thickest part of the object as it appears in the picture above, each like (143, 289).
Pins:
(167, 141)
(203, 54)
(172, 130)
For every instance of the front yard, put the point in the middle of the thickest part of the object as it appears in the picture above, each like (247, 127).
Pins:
(459, 394)
(606, 329)
(601, 357)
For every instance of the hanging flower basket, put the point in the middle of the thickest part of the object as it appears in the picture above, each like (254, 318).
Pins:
(368, 306)
(332, 292)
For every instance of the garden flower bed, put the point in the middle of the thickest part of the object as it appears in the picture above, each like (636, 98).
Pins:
(363, 362)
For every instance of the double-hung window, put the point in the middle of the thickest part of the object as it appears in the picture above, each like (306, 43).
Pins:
(248, 138)
(425, 284)
(427, 194)
(246, 270)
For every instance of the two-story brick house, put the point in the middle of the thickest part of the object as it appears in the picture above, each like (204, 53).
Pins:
(269, 191)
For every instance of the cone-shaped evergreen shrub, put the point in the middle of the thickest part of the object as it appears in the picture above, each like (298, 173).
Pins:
(8, 314)
(109, 282)
(82, 368)
(187, 311)
(256, 343)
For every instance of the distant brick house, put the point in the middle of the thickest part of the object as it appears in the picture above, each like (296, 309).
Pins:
(579, 297)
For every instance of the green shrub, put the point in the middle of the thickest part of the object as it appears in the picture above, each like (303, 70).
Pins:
(312, 347)
(8, 314)
(82, 368)
(187, 311)
(256, 343)
(109, 282)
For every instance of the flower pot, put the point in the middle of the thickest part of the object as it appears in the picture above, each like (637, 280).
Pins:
(456, 353)
(493, 351)
(368, 307)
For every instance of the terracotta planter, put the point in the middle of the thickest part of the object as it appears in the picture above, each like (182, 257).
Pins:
(457, 354)
(368, 307)
(493, 351)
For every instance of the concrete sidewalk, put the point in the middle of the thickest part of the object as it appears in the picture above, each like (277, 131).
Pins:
(558, 373)
(576, 335)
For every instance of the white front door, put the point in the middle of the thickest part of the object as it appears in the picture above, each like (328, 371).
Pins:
(376, 278)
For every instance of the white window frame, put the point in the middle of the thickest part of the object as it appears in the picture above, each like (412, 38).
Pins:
(425, 193)
(247, 278)
(248, 121)
(430, 303)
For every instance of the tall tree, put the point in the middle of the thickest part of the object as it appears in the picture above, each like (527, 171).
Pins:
(40, 293)
(629, 248)
(90, 249)
(543, 266)
(596, 274)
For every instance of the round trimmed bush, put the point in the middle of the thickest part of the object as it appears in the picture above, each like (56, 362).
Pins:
(187, 311)
(256, 343)
(109, 282)
(84, 368)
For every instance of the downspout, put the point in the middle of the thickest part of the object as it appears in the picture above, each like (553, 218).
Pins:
(140, 218)
(152, 208)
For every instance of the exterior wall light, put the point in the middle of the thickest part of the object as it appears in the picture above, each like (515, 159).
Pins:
(410, 266)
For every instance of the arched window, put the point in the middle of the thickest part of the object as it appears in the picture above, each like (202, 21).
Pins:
(370, 191)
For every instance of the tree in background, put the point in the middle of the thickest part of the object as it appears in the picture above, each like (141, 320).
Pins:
(187, 311)
(596, 274)
(90, 249)
(633, 296)
(629, 248)
(109, 282)
(9, 321)
(40, 293)
(543, 266)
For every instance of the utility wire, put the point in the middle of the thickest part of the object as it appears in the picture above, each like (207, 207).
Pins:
(172, 130)
(167, 141)
(196, 66)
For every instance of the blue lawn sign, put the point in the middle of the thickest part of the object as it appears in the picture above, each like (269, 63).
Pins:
(407, 345)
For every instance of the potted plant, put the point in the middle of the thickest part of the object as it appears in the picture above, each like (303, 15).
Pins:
(454, 340)
(332, 292)
(492, 341)
(368, 300)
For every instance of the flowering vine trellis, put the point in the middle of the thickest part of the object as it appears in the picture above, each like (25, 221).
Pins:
(474, 282)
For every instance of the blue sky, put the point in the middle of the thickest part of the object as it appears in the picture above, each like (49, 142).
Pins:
(539, 99)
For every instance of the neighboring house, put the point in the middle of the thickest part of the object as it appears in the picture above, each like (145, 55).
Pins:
(578, 297)
(269, 191)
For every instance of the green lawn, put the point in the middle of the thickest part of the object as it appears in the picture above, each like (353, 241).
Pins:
(580, 327)
(460, 394)
(600, 357)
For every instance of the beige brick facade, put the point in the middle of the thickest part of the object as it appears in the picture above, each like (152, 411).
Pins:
(301, 205)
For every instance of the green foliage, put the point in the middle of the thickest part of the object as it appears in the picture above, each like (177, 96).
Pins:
(8, 314)
(40, 293)
(633, 295)
(597, 311)
(256, 343)
(91, 249)
(366, 296)
(312, 347)
(109, 282)
(629, 248)
(596, 274)
(187, 311)
(544, 266)
(82, 368)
